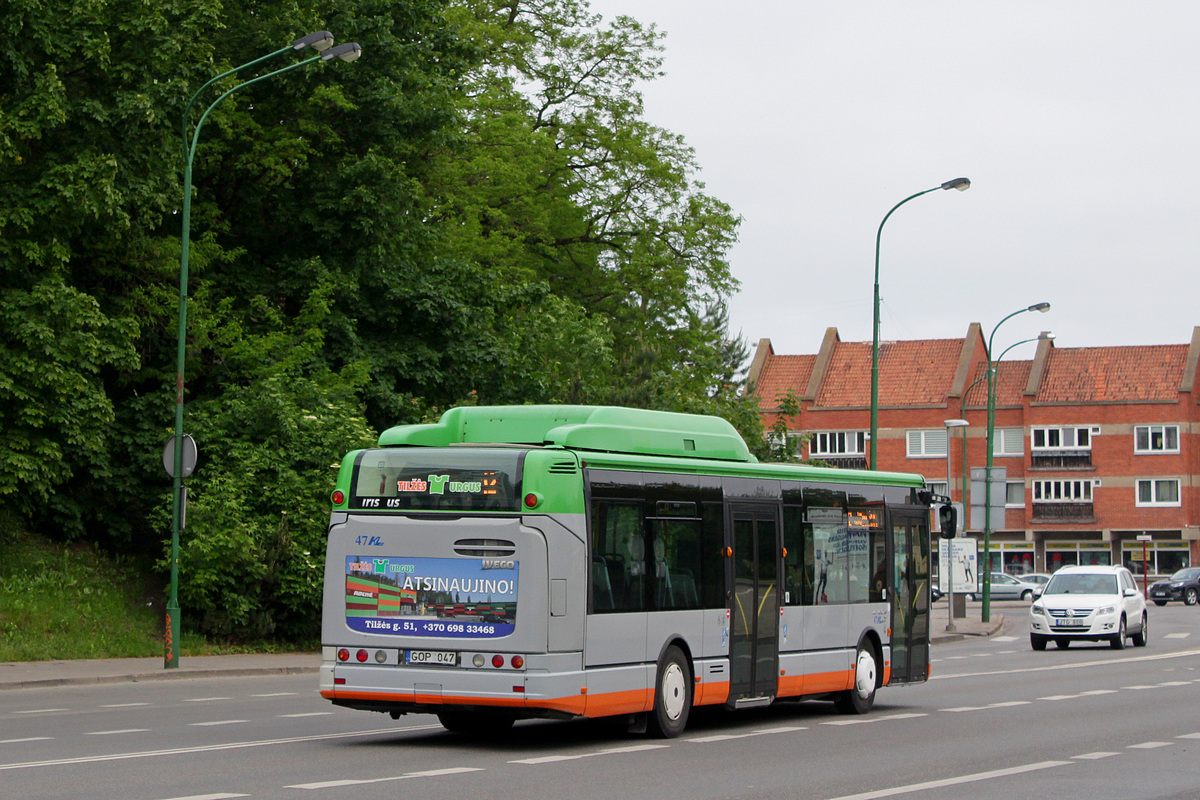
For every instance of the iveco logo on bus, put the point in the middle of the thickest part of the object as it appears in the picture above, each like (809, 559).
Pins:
(496, 563)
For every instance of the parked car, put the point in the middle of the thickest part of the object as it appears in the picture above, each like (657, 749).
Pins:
(1040, 578)
(1091, 604)
(1183, 585)
(1008, 587)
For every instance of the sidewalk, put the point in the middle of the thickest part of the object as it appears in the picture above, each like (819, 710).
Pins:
(964, 628)
(47, 674)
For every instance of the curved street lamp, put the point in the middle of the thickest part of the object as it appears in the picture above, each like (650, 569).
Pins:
(321, 41)
(986, 612)
(961, 184)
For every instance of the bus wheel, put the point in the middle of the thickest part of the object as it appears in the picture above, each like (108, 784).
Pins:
(672, 695)
(473, 723)
(861, 697)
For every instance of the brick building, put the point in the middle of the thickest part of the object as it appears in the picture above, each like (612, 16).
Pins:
(1100, 444)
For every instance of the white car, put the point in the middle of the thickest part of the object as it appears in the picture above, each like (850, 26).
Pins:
(1092, 604)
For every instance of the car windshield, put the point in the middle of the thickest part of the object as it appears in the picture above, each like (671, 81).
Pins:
(1185, 574)
(1082, 583)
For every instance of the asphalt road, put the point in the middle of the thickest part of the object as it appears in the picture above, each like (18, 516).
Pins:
(997, 721)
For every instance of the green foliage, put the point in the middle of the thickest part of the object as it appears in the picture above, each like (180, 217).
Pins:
(72, 601)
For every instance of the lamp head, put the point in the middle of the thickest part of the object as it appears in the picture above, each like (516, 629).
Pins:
(962, 184)
(1042, 307)
(319, 41)
(1047, 335)
(348, 51)
(956, 423)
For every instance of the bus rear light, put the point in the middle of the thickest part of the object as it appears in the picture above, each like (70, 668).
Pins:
(519, 689)
(361, 655)
(339, 681)
(380, 656)
(343, 654)
(533, 500)
(517, 662)
(479, 660)
(338, 498)
(497, 661)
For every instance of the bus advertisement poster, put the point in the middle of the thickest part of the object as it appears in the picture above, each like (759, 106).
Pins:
(450, 597)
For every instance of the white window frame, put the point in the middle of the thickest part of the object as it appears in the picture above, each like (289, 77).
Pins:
(1008, 442)
(836, 444)
(1153, 484)
(1009, 502)
(926, 443)
(1063, 491)
(1163, 431)
(1058, 432)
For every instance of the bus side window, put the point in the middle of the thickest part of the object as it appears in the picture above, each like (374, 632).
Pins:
(618, 542)
(797, 588)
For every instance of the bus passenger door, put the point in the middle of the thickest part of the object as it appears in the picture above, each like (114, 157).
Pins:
(910, 594)
(754, 608)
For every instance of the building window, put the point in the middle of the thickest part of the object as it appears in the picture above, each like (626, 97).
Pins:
(1008, 442)
(1155, 439)
(1158, 492)
(1014, 495)
(837, 443)
(927, 444)
(1062, 491)
(1062, 439)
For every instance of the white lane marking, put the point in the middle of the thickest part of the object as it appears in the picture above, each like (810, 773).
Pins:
(1140, 687)
(1093, 756)
(990, 706)
(309, 714)
(176, 751)
(217, 722)
(1088, 693)
(124, 705)
(217, 796)
(637, 748)
(113, 733)
(1149, 745)
(1005, 639)
(204, 699)
(1176, 683)
(978, 776)
(276, 694)
(426, 774)
(39, 711)
(761, 732)
(1177, 636)
(27, 739)
(862, 720)
(1188, 736)
(1078, 665)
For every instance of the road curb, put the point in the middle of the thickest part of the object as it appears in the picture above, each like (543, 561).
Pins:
(165, 675)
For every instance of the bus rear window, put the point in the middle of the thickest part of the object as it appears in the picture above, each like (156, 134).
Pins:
(437, 479)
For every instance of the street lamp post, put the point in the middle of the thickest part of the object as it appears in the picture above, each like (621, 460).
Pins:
(946, 543)
(961, 184)
(986, 612)
(321, 41)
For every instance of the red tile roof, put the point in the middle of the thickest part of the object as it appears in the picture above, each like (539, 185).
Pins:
(911, 373)
(1011, 379)
(1113, 374)
(781, 373)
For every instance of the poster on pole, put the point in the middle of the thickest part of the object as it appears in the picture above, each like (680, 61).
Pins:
(958, 558)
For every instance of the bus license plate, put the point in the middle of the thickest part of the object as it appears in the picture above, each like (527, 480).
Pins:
(445, 658)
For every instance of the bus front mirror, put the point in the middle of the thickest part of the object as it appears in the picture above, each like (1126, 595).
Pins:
(948, 520)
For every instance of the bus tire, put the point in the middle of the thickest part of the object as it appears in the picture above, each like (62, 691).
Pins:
(672, 695)
(861, 696)
(474, 723)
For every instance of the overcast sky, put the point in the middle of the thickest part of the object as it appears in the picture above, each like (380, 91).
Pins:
(1076, 122)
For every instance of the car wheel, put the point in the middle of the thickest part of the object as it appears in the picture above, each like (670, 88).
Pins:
(1118, 641)
(1037, 642)
(859, 699)
(1062, 644)
(1190, 596)
(672, 695)
(1027, 595)
(1160, 602)
(1141, 637)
